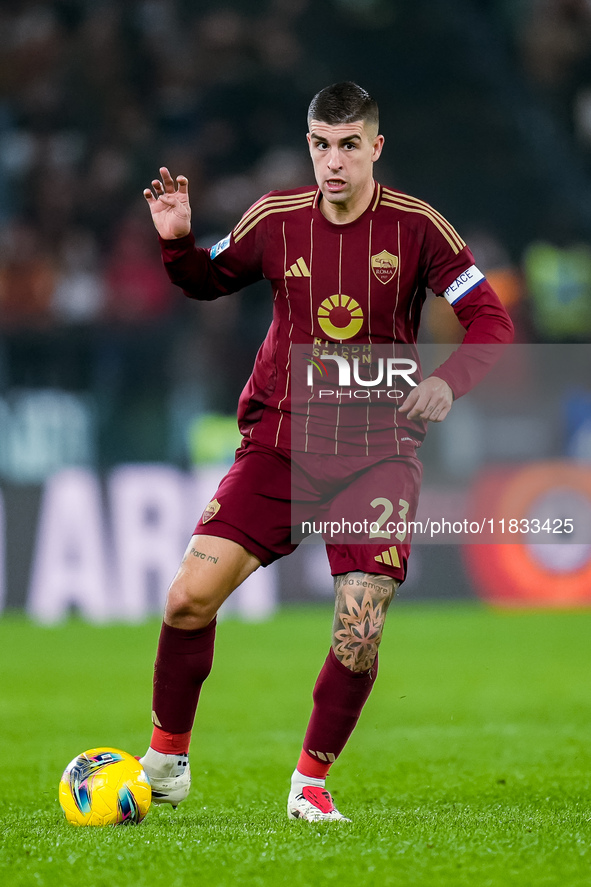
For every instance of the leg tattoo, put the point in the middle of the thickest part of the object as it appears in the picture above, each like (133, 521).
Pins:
(362, 600)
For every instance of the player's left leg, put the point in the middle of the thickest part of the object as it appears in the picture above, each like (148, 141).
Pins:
(366, 576)
(343, 686)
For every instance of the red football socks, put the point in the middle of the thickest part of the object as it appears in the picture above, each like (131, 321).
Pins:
(170, 743)
(312, 768)
(183, 662)
(339, 697)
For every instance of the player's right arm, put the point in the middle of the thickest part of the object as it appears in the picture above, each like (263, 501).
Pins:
(203, 274)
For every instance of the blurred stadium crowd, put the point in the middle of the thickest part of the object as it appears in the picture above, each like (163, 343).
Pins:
(486, 107)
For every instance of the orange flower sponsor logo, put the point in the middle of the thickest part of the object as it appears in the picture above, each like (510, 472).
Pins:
(340, 317)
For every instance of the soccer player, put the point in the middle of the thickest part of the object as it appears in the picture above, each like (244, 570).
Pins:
(349, 261)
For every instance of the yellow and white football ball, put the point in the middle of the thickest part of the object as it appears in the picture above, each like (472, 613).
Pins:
(104, 786)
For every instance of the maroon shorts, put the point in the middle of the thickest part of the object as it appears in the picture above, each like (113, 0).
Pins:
(269, 501)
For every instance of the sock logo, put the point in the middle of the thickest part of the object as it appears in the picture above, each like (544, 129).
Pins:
(322, 756)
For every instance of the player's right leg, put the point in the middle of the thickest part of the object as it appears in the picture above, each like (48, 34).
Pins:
(210, 571)
(247, 524)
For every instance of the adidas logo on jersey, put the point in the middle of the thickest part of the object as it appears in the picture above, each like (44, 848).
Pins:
(390, 557)
(298, 269)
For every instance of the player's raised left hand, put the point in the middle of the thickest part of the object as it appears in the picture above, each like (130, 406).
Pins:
(431, 400)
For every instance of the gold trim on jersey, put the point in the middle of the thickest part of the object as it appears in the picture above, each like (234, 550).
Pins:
(416, 201)
(413, 204)
(288, 363)
(298, 269)
(270, 201)
(377, 200)
(271, 205)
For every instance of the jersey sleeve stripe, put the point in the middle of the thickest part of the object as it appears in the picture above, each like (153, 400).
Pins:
(277, 209)
(264, 203)
(277, 198)
(269, 202)
(421, 204)
(456, 242)
(411, 203)
(399, 195)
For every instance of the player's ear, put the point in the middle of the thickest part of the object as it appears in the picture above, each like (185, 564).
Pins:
(378, 144)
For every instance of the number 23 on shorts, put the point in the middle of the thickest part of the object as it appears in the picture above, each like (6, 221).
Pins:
(382, 527)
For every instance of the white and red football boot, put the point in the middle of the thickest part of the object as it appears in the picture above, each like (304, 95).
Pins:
(309, 800)
(169, 775)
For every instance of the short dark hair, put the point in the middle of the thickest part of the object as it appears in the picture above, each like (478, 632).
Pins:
(343, 103)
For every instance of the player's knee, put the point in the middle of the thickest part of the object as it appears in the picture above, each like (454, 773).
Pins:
(361, 661)
(185, 608)
(362, 601)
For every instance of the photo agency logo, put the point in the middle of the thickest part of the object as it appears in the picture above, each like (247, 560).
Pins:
(381, 379)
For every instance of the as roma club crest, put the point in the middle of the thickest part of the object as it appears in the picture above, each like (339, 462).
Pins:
(384, 266)
(210, 511)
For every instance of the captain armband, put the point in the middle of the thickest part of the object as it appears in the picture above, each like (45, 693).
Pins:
(463, 284)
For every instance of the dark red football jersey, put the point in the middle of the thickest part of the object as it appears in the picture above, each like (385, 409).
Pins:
(338, 286)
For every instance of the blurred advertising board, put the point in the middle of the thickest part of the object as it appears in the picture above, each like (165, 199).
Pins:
(106, 547)
(504, 512)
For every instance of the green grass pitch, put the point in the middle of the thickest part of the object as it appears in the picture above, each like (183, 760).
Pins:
(470, 765)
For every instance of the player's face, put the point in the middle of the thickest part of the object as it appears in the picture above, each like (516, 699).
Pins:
(343, 156)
